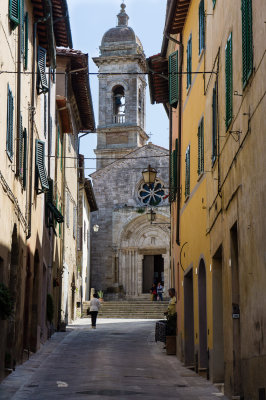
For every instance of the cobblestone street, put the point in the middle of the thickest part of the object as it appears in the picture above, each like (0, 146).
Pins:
(119, 360)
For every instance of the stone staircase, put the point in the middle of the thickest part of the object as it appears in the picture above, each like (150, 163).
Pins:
(130, 309)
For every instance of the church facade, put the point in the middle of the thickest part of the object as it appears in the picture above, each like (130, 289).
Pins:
(128, 251)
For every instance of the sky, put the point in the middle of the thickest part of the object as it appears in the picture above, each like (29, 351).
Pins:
(89, 20)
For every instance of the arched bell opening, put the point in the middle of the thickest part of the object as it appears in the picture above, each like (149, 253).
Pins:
(119, 105)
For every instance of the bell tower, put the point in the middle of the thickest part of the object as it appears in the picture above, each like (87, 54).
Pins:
(122, 92)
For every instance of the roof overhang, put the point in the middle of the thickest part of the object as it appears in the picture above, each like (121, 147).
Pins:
(176, 15)
(158, 79)
(64, 112)
(53, 26)
(79, 71)
(90, 195)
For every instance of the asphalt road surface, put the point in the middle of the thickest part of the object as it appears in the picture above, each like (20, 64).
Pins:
(118, 360)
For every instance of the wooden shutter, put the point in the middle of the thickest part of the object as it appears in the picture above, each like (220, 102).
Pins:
(20, 150)
(228, 82)
(214, 124)
(14, 11)
(10, 113)
(213, 3)
(201, 147)
(201, 26)
(25, 157)
(22, 37)
(26, 40)
(189, 61)
(40, 166)
(173, 79)
(247, 40)
(42, 85)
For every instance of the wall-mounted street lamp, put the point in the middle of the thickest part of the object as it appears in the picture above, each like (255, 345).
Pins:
(149, 175)
(95, 228)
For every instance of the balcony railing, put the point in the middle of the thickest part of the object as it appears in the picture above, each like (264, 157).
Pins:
(119, 119)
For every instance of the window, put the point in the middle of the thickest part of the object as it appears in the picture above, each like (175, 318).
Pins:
(213, 3)
(42, 85)
(10, 114)
(201, 147)
(189, 61)
(228, 82)
(187, 171)
(52, 213)
(22, 37)
(151, 194)
(67, 209)
(214, 123)
(173, 79)
(201, 26)
(119, 105)
(14, 11)
(173, 173)
(40, 166)
(247, 42)
(26, 39)
(25, 156)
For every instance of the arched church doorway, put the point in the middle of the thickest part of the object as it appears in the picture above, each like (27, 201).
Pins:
(203, 358)
(153, 271)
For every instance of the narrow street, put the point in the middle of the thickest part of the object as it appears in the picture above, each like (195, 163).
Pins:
(119, 360)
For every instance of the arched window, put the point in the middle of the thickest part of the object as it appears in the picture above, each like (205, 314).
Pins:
(119, 104)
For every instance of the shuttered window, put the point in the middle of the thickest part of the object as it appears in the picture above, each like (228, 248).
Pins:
(20, 150)
(201, 147)
(42, 85)
(214, 124)
(22, 37)
(213, 3)
(25, 157)
(40, 166)
(10, 117)
(228, 82)
(189, 61)
(247, 41)
(187, 172)
(174, 172)
(173, 79)
(14, 11)
(26, 40)
(201, 26)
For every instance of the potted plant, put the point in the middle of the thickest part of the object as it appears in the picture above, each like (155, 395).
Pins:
(100, 295)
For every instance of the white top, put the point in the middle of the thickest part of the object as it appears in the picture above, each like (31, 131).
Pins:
(95, 304)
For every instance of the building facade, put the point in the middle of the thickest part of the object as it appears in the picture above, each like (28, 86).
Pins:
(217, 125)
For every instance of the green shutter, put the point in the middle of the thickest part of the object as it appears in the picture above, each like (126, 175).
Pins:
(40, 166)
(9, 134)
(247, 40)
(22, 37)
(228, 82)
(26, 40)
(173, 79)
(187, 169)
(214, 124)
(25, 157)
(213, 3)
(14, 11)
(201, 147)
(189, 61)
(20, 150)
(201, 26)
(42, 85)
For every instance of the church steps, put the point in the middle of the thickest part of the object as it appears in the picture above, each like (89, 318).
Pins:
(130, 309)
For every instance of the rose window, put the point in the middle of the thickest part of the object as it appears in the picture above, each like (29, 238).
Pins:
(151, 194)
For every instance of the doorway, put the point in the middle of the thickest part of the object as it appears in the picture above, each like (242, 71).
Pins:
(189, 318)
(203, 357)
(153, 271)
(218, 331)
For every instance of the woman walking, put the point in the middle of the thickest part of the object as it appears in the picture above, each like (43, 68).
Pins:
(95, 305)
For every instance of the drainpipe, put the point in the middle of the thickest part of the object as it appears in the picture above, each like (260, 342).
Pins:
(179, 145)
(18, 96)
(170, 152)
(32, 111)
(49, 125)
